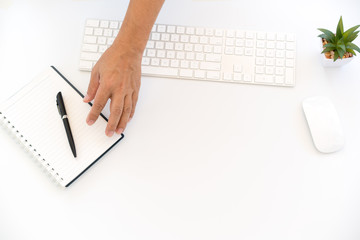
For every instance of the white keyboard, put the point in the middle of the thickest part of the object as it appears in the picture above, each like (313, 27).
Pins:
(198, 53)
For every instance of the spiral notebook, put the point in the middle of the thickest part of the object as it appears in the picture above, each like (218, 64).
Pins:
(32, 117)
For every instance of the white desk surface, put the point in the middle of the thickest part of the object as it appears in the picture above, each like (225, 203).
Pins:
(200, 160)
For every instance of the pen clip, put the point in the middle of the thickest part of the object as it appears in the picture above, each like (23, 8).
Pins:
(57, 105)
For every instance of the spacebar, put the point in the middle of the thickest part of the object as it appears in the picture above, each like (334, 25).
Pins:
(160, 71)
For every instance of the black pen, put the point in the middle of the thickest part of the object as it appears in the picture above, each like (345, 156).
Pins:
(61, 107)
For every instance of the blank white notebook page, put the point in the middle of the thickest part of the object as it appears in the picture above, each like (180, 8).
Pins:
(33, 112)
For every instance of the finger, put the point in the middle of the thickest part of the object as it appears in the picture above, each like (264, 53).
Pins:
(101, 98)
(135, 97)
(116, 108)
(125, 114)
(93, 86)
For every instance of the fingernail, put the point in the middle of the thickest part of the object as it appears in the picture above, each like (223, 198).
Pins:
(86, 98)
(110, 134)
(119, 131)
(130, 119)
(90, 122)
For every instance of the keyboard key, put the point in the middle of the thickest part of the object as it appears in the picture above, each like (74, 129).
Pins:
(89, 31)
(270, 61)
(161, 28)
(212, 75)
(199, 74)
(280, 45)
(104, 24)
(209, 32)
(289, 63)
(237, 76)
(249, 43)
(259, 69)
(174, 37)
(90, 56)
(102, 40)
(280, 53)
(260, 61)
(150, 44)
(290, 46)
(200, 31)
(239, 51)
(169, 46)
(171, 29)
(163, 71)
(279, 79)
(92, 23)
(213, 57)
(249, 35)
(175, 63)
(87, 65)
(229, 50)
(210, 66)
(219, 32)
(240, 42)
(260, 44)
(260, 52)
(155, 62)
(269, 70)
(261, 35)
(227, 76)
(114, 25)
(230, 33)
(186, 73)
(290, 54)
(270, 36)
(279, 71)
(240, 34)
(248, 78)
(280, 37)
(249, 51)
(90, 39)
(108, 33)
(279, 62)
(180, 55)
(180, 30)
(190, 30)
(90, 48)
(145, 61)
(165, 37)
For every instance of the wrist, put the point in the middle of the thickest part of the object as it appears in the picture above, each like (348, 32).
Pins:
(128, 47)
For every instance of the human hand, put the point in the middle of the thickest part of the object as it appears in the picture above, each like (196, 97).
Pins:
(116, 76)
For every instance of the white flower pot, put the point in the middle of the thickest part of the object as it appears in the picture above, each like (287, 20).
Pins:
(329, 63)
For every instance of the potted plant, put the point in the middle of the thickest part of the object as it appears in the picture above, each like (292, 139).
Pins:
(338, 48)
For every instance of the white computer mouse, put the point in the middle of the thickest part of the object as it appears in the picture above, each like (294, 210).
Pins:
(324, 124)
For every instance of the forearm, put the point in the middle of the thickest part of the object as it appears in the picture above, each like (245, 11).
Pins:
(139, 20)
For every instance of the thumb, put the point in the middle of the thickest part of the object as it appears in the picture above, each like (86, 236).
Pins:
(93, 86)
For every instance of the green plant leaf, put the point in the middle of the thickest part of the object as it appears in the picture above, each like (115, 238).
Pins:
(342, 47)
(340, 29)
(330, 45)
(329, 34)
(352, 46)
(324, 36)
(349, 32)
(340, 51)
(352, 37)
(328, 49)
(336, 56)
(351, 51)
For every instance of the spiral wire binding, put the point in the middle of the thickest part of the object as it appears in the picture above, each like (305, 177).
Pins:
(21, 138)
